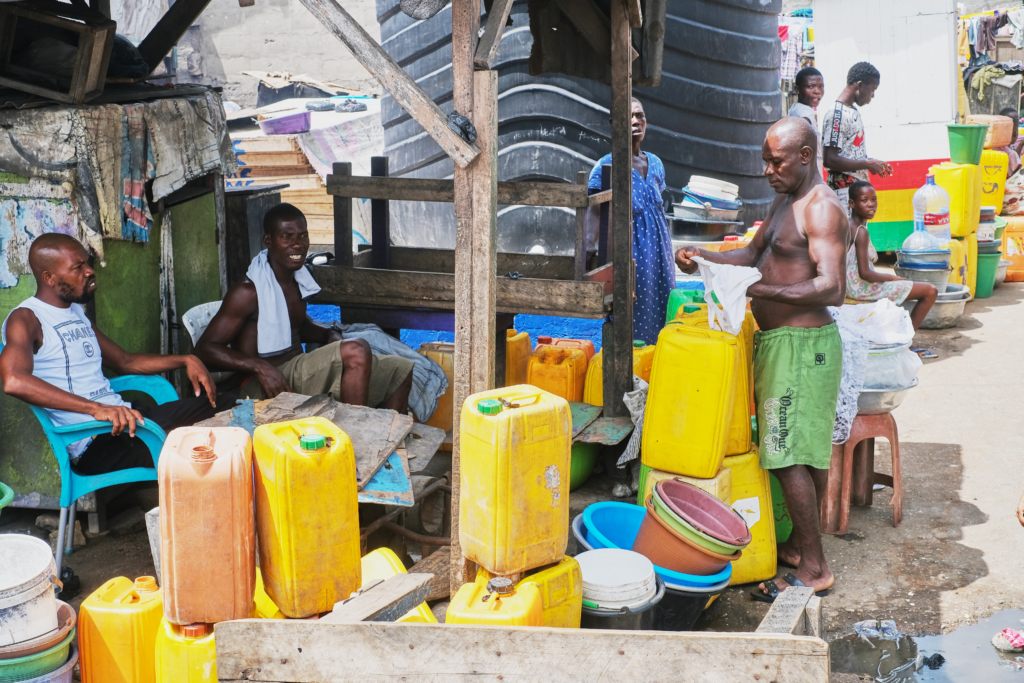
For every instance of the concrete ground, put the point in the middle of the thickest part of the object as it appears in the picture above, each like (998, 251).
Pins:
(951, 562)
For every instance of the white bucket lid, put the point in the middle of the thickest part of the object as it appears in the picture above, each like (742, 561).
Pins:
(616, 578)
(25, 562)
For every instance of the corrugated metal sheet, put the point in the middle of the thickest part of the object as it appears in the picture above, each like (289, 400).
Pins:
(718, 95)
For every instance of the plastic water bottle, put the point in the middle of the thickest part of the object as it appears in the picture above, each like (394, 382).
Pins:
(931, 218)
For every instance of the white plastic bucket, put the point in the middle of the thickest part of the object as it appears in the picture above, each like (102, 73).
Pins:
(615, 578)
(28, 606)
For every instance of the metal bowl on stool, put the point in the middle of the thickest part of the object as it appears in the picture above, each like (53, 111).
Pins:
(701, 231)
(879, 401)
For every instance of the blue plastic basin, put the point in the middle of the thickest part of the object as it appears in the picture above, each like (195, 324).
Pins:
(611, 524)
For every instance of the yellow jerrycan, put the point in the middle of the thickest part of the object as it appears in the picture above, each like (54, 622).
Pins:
(643, 359)
(514, 499)
(186, 654)
(691, 400)
(382, 564)
(442, 353)
(752, 498)
(307, 515)
(262, 606)
(117, 629)
(496, 602)
(207, 528)
(561, 591)
(719, 486)
(739, 428)
(518, 348)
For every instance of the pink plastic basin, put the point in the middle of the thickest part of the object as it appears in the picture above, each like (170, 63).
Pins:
(705, 512)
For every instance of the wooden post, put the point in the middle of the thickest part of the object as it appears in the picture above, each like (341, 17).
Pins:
(580, 253)
(618, 337)
(380, 219)
(465, 28)
(342, 219)
(222, 230)
(169, 30)
(602, 238)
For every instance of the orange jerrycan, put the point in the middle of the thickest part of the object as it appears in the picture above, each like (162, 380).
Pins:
(584, 345)
(518, 348)
(186, 654)
(382, 564)
(514, 512)
(558, 371)
(307, 515)
(207, 528)
(691, 400)
(117, 628)
(496, 602)
(643, 359)
(442, 353)
(561, 591)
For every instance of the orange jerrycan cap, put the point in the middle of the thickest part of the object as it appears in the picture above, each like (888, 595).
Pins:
(194, 630)
(639, 343)
(501, 585)
(312, 442)
(544, 340)
(489, 406)
(146, 584)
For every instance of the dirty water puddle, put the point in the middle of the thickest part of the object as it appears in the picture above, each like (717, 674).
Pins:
(966, 654)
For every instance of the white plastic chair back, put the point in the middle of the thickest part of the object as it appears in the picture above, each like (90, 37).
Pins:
(196, 320)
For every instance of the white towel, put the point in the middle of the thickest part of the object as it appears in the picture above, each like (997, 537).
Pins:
(274, 330)
(1016, 18)
(729, 283)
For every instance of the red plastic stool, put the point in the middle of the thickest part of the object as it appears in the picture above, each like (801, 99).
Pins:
(852, 477)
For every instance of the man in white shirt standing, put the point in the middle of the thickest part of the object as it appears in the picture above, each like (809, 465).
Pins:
(54, 357)
(842, 134)
(810, 88)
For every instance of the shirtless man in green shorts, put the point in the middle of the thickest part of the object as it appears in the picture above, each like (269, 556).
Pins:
(800, 250)
(261, 326)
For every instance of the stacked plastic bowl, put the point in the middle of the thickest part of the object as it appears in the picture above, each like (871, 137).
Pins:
(926, 265)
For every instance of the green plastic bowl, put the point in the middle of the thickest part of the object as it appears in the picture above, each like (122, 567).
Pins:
(581, 466)
(39, 664)
(682, 527)
(6, 495)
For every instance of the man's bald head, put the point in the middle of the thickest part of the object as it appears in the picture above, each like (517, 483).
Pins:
(49, 249)
(792, 133)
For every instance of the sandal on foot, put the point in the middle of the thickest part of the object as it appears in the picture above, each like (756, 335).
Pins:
(773, 592)
(925, 353)
(793, 581)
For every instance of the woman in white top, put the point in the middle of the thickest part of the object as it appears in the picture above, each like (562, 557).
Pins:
(810, 88)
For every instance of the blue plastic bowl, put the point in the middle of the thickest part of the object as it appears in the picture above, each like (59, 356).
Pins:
(611, 524)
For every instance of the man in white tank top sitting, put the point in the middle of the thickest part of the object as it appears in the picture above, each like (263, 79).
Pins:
(54, 357)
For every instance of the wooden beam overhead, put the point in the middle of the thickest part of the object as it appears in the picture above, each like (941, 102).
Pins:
(593, 25)
(390, 75)
(440, 190)
(487, 49)
(168, 31)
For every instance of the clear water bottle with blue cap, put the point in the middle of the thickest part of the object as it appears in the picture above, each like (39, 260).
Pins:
(931, 218)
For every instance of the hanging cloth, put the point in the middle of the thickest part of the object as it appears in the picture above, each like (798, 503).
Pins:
(729, 283)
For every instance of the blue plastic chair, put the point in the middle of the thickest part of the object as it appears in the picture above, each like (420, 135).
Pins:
(72, 485)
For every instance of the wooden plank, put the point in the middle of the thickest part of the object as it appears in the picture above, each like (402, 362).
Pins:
(518, 193)
(636, 16)
(372, 287)
(342, 219)
(465, 31)
(169, 30)
(603, 274)
(437, 563)
(540, 266)
(599, 198)
(814, 618)
(592, 24)
(298, 651)
(787, 612)
(422, 443)
(390, 75)
(487, 49)
(380, 218)
(388, 600)
(618, 339)
(579, 239)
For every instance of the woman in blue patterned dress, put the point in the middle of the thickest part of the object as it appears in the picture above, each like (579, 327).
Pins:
(652, 243)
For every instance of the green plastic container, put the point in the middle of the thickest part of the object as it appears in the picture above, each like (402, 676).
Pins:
(6, 495)
(583, 457)
(39, 664)
(988, 264)
(966, 143)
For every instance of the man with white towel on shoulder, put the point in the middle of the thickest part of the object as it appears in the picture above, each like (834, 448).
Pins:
(262, 324)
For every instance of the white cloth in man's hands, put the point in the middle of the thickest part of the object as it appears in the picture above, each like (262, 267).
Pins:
(729, 283)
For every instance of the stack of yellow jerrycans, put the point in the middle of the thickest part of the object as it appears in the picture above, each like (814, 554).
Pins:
(514, 511)
(697, 427)
(643, 360)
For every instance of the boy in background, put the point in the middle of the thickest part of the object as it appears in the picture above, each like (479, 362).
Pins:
(810, 88)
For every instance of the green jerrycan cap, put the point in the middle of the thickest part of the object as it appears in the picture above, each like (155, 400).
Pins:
(489, 406)
(639, 343)
(691, 308)
(312, 442)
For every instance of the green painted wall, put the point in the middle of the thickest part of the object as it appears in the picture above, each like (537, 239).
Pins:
(128, 311)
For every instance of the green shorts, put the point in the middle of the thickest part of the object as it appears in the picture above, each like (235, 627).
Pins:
(319, 372)
(797, 372)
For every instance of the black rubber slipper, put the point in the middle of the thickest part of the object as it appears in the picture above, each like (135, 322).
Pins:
(774, 592)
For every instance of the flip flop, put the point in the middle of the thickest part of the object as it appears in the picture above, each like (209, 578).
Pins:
(774, 592)
(925, 353)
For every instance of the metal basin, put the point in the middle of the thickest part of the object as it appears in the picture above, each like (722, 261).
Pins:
(692, 212)
(1001, 271)
(918, 257)
(955, 292)
(701, 231)
(942, 315)
(939, 278)
(879, 401)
